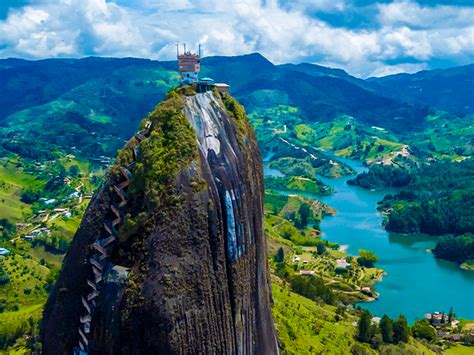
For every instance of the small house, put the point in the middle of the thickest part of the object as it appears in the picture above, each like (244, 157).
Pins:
(296, 259)
(75, 195)
(306, 272)
(204, 85)
(455, 323)
(342, 263)
(4, 251)
(222, 88)
(376, 320)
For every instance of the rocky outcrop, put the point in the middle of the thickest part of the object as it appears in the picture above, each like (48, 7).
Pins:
(170, 256)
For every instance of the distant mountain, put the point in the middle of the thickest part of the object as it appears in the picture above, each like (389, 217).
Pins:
(94, 103)
(321, 93)
(449, 89)
(91, 103)
(320, 71)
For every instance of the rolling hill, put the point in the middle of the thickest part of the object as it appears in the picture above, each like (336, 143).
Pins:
(449, 89)
(93, 104)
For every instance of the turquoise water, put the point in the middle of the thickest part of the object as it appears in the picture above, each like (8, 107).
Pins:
(416, 282)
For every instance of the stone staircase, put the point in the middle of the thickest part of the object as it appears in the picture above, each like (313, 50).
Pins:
(101, 248)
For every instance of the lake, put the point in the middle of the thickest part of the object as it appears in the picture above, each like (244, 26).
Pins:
(416, 282)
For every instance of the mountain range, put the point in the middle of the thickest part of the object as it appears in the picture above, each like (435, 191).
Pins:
(73, 102)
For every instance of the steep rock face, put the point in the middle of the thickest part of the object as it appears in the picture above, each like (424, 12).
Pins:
(170, 255)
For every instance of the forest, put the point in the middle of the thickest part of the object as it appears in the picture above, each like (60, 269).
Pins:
(380, 176)
(459, 249)
(438, 200)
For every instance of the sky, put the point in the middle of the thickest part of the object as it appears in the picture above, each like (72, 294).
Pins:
(365, 38)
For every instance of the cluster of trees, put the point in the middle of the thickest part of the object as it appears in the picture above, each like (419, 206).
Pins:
(55, 187)
(30, 195)
(367, 258)
(279, 256)
(388, 331)
(455, 248)
(304, 216)
(4, 277)
(434, 216)
(313, 288)
(28, 149)
(422, 329)
(53, 243)
(380, 176)
(439, 199)
(7, 229)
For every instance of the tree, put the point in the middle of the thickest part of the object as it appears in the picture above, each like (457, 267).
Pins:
(400, 330)
(320, 248)
(451, 315)
(74, 170)
(367, 258)
(279, 256)
(386, 328)
(423, 329)
(377, 340)
(364, 333)
(304, 213)
(4, 277)
(29, 195)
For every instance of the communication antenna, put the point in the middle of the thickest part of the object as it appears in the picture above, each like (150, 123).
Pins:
(184, 46)
(177, 49)
(199, 49)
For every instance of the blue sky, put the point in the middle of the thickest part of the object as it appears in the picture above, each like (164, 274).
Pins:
(366, 38)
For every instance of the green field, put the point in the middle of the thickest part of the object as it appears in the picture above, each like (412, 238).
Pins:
(12, 182)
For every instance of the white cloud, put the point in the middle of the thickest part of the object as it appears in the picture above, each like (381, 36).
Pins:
(71, 28)
(403, 31)
(318, 5)
(411, 13)
(384, 70)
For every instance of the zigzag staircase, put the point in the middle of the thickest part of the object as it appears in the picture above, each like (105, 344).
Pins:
(100, 249)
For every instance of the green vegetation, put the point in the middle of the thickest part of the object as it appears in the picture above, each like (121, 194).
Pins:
(388, 331)
(437, 201)
(297, 209)
(45, 118)
(306, 262)
(19, 329)
(436, 198)
(456, 248)
(423, 329)
(307, 166)
(298, 184)
(380, 176)
(37, 235)
(312, 312)
(367, 258)
(171, 145)
(306, 327)
(351, 139)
